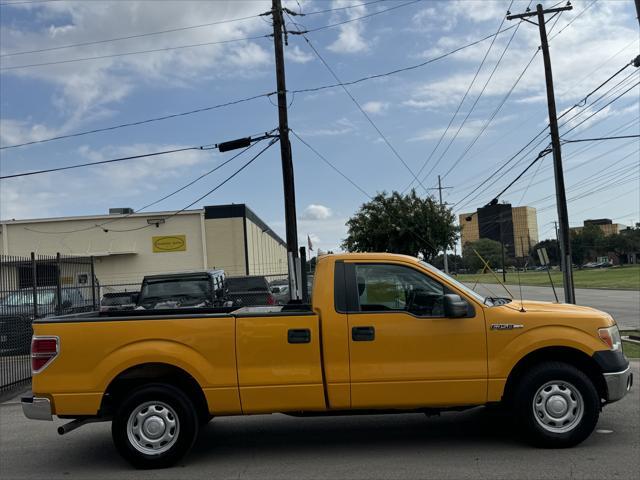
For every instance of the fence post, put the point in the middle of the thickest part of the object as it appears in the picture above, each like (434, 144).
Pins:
(34, 282)
(303, 267)
(93, 284)
(58, 286)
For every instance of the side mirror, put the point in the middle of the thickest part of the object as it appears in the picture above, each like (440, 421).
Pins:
(454, 306)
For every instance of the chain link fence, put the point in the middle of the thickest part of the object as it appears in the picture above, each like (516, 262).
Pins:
(35, 287)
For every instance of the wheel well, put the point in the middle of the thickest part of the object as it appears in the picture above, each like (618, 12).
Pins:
(143, 374)
(578, 359)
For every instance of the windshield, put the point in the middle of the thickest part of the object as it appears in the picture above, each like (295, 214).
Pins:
(455, 282)
(172, 289)
(23, 298)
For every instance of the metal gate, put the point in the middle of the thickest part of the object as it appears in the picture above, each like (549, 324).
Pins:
(35, 287)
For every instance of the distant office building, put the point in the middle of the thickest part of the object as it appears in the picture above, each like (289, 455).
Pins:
(606, 225)
(516, 227)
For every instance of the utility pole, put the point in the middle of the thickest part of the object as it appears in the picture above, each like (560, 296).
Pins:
(638, 10)
(442, 205)
(561, 198)
(293, 260)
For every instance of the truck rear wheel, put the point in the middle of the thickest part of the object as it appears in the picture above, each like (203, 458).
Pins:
(556, 405)
(155, 426)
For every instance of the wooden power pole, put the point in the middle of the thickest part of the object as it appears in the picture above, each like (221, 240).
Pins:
(293, 260)
(561, 197)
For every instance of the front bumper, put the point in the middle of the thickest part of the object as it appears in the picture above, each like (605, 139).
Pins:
(618, 384)
(36, 408)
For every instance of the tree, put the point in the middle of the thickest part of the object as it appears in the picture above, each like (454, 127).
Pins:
(587, 243)
(398, 223)
(489, 250)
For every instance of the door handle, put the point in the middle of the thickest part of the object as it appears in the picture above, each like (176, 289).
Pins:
(363, 334)
(299, 335)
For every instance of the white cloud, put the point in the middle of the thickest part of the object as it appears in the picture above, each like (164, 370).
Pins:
(297, 55)
(350, 38)
(375, 107)
(89, 90)
(316, 212)
(342, 126)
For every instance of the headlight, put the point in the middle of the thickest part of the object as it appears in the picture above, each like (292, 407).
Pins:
(611, 336)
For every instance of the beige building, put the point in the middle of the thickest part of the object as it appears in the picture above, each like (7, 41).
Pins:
(520, 228)
(127, 246)
(606, 225)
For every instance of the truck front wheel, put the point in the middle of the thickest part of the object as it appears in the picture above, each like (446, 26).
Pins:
(556, 405)
(155, 426)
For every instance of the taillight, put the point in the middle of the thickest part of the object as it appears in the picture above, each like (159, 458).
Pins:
(43, 351)
(271, 300)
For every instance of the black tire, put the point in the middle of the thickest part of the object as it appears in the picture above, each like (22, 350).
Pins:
(562, 378)
(179, 409)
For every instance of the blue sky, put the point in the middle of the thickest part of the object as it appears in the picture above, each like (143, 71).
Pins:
(412, 109)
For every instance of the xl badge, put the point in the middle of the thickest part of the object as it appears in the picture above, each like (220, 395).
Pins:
(505, 326)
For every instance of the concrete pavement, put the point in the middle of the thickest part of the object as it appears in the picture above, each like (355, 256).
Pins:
(472, 444)
(623, 305)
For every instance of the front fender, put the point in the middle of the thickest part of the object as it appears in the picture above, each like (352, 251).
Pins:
(506, 352)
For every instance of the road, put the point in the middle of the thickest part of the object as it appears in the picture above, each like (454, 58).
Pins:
(472, 444)
(623, 305)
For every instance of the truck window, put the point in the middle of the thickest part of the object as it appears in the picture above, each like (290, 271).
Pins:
(386, 287)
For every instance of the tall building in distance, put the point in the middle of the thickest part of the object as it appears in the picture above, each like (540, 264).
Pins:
(606, 225)
(516, 227)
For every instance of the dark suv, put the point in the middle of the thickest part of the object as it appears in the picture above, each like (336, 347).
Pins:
(248, 291)
(182, 290)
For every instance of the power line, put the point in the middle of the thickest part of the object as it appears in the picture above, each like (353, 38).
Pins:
(138, 52)
(219, 42)
(129, 37)
(141, 122)
(155, 202)
(464, 97)
(513, 157)
(364, 113)
(218, 186)
(102, 162)
(324, 159)
(373, 14)
(234, 102)
(170, 30)
(601, 138)
(403, 69)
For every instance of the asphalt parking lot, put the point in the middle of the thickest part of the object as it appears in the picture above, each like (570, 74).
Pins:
(472, 444)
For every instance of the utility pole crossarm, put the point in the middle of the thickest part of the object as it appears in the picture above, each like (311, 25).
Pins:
(535, 13)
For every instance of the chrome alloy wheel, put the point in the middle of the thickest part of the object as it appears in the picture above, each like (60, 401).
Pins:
(558, 406)
(153, 428)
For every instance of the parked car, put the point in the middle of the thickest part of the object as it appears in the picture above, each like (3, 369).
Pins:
(114, 301)
(280, 291)
(385, 332)
(182, 290)
(248, 290)
(17, 312)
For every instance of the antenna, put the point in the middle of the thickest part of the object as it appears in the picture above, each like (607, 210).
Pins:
(492, 272)
(518, 271)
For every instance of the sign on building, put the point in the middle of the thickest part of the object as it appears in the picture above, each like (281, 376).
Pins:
(169, 243)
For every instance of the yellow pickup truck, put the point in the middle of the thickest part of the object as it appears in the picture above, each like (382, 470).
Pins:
(384, 333)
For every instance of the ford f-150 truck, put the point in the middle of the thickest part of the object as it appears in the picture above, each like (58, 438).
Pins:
(384, 333)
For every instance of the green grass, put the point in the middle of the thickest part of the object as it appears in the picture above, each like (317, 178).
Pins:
(624, 278)
(631, 350)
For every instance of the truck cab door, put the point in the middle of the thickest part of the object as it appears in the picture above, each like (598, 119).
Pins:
(404, 351)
